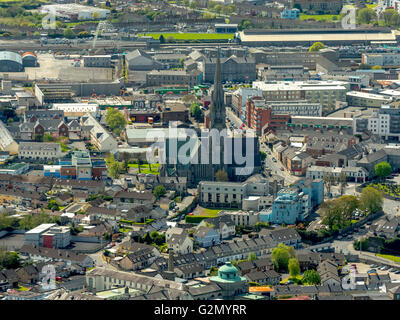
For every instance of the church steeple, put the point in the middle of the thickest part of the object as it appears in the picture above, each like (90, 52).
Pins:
(217, 108)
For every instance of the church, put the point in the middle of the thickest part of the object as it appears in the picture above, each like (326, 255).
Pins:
(213, 149)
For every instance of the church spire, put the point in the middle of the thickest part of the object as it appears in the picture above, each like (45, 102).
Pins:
(217, 109)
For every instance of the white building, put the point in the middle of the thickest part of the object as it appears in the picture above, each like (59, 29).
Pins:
(99, 136)
(77, 109)
(7, 142)
(243, 218)
(39, 150)
(49, 235)
(72, 11)
(324, 92)
(242, 195)
(357, 174)
(383, 122)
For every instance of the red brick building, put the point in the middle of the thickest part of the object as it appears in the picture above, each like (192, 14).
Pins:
(258, 116)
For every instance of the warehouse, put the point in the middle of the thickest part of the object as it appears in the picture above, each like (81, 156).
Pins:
(10, 62)
(29, 59)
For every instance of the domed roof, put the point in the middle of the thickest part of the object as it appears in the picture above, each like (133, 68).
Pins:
(228, 268)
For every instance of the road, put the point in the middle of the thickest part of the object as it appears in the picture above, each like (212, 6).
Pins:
(275, 167)
(98, 256)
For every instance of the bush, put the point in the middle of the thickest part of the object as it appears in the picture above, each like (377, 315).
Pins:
(195, 219)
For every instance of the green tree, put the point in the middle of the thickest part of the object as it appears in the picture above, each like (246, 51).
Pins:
(159, 191)
(195, 111)
(114, 167)
(213, 272)
(366, 16)
(294, 267)
(162, 39)
(376, 68)
(371, 200)
(69, 33)
(245, 24)
(383, 169)
(115, 120)
(337, 213)
(281, 255)
(263, 155)
(252, 256)
(311, 277)
(387, 15)
(316, 47)
(9, 259)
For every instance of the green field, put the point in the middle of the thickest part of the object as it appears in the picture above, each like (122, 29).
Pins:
(191, 36)
(144, 168)
(389, 257)
(321, 17)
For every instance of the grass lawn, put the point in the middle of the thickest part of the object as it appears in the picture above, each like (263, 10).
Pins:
(21, 288)
(370, 6)
(125, 230)
(191, 36)
(319, 17)
(387, 256)
(144, 168)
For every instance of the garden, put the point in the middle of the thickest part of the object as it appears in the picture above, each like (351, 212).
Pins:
(388, 188)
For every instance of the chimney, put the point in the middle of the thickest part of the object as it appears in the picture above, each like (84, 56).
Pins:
(171, 260)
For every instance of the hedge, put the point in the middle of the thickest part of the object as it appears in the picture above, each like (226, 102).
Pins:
(195, 219)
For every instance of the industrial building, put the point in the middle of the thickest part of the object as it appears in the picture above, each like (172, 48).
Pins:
(74, 12)
(29, 59)
(49, 235)
(10, 62)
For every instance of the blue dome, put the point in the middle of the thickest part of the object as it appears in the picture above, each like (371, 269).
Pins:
(228, 272)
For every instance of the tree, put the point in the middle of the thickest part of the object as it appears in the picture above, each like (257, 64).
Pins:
(329, 179)
(342, 182)
(115, 120)
(311, 277)
(281, 255)
(294, 267)
(252, 256)
(366, 16)
(69, 33)
(159, 191)
(48, 137)
(395, 20)
(245, 24)
(9, 259)
(376, 68)
(195, 111)
(114, 167)
(213, 272)
(337, 213)
(387, 15)
(95, 15)
(383, 169)
(221, 175)
(263, 155)
(371, 200)
(162, 39)
(316, 47)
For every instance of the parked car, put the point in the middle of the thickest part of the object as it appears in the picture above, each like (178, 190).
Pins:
(371, 271)
(397, 272)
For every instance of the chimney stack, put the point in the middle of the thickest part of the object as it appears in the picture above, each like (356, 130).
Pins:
(171, 260)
